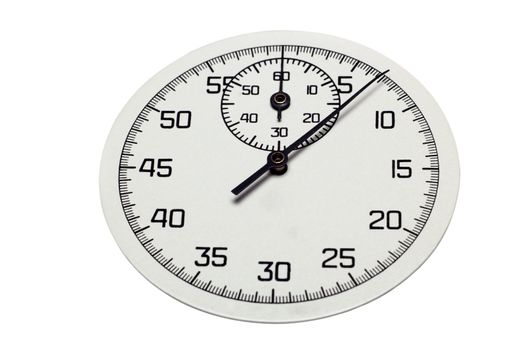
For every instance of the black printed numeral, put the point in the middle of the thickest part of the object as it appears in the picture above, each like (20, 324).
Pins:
(173, 119)
(212, 255)
(173, 218)
(159, 167)
(214, 84)
(390, 220)
(401, 168)
(279, 271)
(279, 132)
(311, 117)
(338, 257)
(344, 85)
(284, 76)
(385, 120)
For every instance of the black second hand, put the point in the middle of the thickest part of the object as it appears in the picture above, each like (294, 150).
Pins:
(319, 125)
(252, 178)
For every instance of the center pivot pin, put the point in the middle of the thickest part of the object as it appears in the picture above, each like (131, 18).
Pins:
(277, 161)
(280, 101)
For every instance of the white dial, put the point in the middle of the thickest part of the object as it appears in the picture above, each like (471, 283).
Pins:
(348, 186)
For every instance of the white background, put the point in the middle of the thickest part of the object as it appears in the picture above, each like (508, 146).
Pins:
(68, 68)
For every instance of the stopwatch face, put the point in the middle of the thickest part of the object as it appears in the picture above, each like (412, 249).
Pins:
(279, 177)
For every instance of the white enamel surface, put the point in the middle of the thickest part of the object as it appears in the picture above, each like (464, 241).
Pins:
(322, 201)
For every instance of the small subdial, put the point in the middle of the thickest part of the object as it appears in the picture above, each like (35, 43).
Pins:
(271, 103)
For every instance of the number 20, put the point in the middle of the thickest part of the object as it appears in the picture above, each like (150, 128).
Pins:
(393, 220)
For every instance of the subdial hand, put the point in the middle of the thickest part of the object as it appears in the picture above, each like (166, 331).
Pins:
(280, 100)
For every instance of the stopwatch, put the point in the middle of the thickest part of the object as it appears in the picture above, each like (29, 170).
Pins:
(279, 177)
